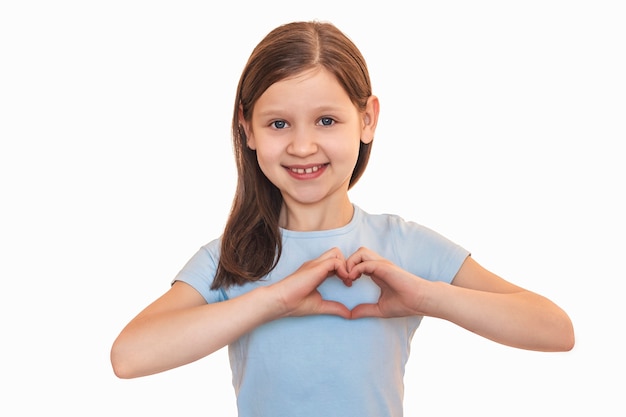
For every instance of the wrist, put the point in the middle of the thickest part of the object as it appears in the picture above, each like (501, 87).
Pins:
(432, 293)
(270, 307)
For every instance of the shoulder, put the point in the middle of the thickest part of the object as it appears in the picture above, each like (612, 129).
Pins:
(413, 246)
(388, 222)
(207, 256)
(200, 269)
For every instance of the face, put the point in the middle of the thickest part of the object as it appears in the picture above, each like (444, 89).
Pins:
(306, 132)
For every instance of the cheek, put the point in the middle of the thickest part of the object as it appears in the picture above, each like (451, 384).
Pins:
(351, 151)
(266, 158)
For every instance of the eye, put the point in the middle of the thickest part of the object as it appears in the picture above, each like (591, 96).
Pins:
(279, 124)
(326, 121)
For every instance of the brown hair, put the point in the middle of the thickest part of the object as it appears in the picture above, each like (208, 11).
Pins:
(251, 244)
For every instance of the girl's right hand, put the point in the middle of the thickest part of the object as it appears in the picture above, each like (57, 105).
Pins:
(297, 294)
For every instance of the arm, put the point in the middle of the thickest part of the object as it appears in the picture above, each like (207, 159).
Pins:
(180, 327)
(477, 300)
(484, 303)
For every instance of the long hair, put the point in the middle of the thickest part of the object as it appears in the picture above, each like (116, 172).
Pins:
(251, 243)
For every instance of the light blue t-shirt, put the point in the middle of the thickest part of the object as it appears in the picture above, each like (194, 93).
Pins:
(325, 365)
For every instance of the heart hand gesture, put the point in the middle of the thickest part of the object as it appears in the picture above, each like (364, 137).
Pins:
(401, 292)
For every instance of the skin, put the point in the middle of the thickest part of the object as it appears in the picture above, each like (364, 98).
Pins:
(309, 123)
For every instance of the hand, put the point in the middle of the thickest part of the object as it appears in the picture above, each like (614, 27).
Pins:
(401, 292)
(298, 292)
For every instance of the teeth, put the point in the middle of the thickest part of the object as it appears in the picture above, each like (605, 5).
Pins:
(306, 171)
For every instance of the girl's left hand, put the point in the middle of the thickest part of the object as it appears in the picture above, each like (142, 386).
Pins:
(401, 293)
(477, 300)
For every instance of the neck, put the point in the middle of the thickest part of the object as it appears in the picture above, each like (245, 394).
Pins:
(307, 218)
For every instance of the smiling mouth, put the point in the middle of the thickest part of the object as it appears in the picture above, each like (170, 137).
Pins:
(309, 170)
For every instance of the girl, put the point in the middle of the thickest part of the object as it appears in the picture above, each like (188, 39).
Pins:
(316, 299)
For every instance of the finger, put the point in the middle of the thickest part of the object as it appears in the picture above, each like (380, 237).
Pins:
(355, 258)
(361, 255)
(366, 310)
(365, 267)
(332, 253)
(336, 266)
(332, 267)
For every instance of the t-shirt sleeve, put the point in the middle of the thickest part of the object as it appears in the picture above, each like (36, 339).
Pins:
(200, 270)
(427, 253)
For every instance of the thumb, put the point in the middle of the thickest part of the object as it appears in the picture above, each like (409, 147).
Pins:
(366, 310)
(334, 308)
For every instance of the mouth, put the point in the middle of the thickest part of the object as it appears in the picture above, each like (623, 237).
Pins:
(307, 170)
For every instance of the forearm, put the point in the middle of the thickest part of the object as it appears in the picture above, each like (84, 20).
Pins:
(520, 319)
(164, 340)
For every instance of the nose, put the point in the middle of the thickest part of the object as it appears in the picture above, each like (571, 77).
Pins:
(303, 142)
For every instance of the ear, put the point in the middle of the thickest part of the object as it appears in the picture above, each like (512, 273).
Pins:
(370, 119)
(247, 129)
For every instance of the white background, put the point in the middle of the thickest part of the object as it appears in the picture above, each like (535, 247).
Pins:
(502, 127)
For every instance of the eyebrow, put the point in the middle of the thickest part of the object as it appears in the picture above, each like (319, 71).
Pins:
(320, 109)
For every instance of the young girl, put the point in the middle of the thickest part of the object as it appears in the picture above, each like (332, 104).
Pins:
(317, 299)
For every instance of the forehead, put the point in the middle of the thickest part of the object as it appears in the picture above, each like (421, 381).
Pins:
(317, 86)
